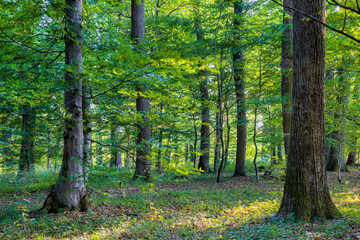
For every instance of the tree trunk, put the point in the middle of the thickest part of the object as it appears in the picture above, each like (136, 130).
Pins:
(69, 192)
(204, 159)
(87, 161)
(287, 75)
(351, 159)
(143, 163)
(337, 149)
(6, 152)
(306, 193)
(238, 65)
(115, 160)
(227, 138)
(27, 158)
(217, 153)
(279, 155)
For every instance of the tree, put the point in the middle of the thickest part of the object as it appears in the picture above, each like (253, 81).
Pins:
(27, 158)
(238, 68)
(69, 192)
(143, 163)
(306, 193)
(286, 77)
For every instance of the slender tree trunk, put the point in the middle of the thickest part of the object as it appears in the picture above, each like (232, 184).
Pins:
(217, 152)
(49, 153)
(115, 160)
(87, 161)
(287, 74)
(279, 155)
(6, 152)
(143, 163)
(227, 141)
(69, 192)
(193, 147)
(160, 150)
(204, 159)
(27, 143)
(238, 65)
(337, 149)
(306, 193)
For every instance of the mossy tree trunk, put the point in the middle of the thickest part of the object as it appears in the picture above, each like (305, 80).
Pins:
(69, 192)
(306, 193)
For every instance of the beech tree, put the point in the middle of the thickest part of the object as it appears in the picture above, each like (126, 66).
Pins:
(286, 77)
(143, 163)
(306, 193)
(238, 68)
(69, 192)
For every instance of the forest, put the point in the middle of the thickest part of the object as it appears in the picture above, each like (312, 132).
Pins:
(179, 119)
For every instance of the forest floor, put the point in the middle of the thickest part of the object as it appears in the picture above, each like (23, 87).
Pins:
(173, 207)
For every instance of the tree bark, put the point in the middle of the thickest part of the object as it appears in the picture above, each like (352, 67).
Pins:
(351, 159)
(204, 159)
(115, 160)
(287, 74)
(143, 163)
(87, 161)
(27, 158)
(69, 192)
(306, 193)
(238, 66)
(337, 149)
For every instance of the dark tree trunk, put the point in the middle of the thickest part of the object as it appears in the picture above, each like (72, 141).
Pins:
(287, 75)
(217, 153)
(27, 158)
(351, 159)
(160, 150)
(115, 160)
(227, 138)
(193, 147)
(238, 65)
(69, 192)
(279, 155)
(143, 163)
(306, 193)
(87, 161)
(49, 153)
(204, 159)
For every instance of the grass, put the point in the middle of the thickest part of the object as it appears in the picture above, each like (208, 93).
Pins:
(195, 207)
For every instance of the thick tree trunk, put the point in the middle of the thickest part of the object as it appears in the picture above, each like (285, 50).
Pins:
(351, 159)
(115, 160)
(69, 192)
(204, 159)
(238, 65)
(143, 163)
(287, 74)
(306, 193)
(87, 161)
(27, 158)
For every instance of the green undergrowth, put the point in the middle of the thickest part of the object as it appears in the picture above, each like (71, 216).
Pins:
(174, 205)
